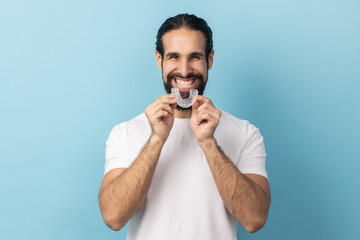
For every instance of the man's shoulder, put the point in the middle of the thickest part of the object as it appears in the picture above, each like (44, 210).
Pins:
(139, 121)
(227, 118)
(236, 124)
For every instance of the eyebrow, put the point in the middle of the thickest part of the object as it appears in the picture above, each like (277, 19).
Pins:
(171, 54)
(191, 54)
(197, 54)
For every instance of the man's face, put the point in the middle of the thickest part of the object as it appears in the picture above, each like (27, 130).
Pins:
(184, 65)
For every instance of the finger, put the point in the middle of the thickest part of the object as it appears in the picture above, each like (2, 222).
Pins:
(208, 113)
(166, 100)
(161, 114)
(195, 105)
(165, 107)
(153, 110)
(203, 117)
(210, 116)
(207, 107)
(173, 106)
(201, 103)
(202, 99)
(166, 97)
(209, 119)
(194, 112)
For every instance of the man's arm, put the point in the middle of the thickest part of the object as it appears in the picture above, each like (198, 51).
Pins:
(247, 197)
(123, 190)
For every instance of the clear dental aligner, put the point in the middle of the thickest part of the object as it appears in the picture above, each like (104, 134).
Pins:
(187, 102)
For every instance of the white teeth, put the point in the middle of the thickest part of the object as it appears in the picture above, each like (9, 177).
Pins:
(183, 83)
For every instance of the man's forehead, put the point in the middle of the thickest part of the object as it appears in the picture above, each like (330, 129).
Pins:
(184, 41)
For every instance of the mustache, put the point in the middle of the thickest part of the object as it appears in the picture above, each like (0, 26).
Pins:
(190, 75)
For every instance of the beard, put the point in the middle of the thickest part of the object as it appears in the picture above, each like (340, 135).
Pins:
(185, 94)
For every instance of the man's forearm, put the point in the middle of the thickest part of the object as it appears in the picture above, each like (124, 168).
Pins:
(123, 196)
(244, 199)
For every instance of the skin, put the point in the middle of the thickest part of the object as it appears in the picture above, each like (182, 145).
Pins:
(246, 196)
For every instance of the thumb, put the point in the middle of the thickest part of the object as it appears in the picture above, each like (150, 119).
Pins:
(194, 113)
(196, 103)
(195, 107)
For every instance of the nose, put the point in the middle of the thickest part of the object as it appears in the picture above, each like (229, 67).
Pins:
(184, 68)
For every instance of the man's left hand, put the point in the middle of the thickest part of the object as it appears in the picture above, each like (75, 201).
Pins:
(204, 118)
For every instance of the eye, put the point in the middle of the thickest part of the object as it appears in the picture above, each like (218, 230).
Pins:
(195, 57)
(173, 57)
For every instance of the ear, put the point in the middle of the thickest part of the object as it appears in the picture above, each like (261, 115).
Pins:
(158, 59)
(211, 59)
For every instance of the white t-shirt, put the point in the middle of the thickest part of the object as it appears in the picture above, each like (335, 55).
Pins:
(183, 201)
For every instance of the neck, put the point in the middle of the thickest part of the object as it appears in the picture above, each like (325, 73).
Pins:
(183, 114)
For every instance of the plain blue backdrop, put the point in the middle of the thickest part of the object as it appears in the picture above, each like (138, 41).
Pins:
(71, 70)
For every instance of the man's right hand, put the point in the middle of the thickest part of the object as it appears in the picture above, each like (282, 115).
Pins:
(160, 115)
(119, 196)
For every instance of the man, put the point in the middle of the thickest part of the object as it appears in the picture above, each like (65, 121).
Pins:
(184, 173)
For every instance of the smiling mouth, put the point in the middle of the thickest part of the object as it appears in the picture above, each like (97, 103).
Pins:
(185, 83)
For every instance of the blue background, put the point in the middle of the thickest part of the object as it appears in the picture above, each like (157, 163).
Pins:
(71, 70)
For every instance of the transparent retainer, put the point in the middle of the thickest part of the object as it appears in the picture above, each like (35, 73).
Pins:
(187, 102)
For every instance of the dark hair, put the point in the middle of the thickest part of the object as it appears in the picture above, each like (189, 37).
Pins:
(189, 21)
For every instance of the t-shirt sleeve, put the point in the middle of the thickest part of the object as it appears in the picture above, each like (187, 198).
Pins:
(117, 152)
(253, 155)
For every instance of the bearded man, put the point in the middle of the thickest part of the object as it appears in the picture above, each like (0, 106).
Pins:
(184, 173)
